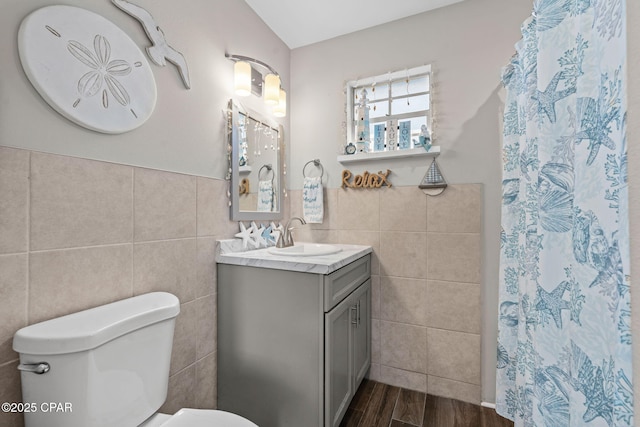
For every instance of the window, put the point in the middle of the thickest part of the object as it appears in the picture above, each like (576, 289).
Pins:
(389, 112)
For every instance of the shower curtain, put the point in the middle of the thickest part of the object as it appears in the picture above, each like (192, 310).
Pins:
(564, 329)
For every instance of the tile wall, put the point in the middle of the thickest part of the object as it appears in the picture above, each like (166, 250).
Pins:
(78, 233)
(426, 280)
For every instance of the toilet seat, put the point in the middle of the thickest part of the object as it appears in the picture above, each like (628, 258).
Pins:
(206, 418)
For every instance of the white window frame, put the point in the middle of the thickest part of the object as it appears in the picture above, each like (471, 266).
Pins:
(354, 85)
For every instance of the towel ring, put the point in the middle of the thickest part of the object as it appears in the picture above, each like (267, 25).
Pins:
(316, 163)
(269, 169)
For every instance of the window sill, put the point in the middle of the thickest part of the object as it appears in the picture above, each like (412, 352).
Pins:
(396, 154)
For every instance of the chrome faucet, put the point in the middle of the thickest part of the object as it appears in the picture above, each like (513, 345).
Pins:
(286, 237)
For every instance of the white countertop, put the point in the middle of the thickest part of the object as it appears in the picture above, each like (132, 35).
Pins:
(230, 252)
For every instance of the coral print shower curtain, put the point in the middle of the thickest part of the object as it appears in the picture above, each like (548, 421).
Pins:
(564, 350)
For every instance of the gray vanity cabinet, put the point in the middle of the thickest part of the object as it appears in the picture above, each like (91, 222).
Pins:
(293, 347)
(347, 351)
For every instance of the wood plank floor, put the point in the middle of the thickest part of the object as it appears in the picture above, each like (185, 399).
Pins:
(381, 405)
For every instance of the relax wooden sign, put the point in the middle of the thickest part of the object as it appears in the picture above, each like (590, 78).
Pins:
(366, 180)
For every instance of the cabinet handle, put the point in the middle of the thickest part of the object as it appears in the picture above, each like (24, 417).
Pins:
(353, 310)
(358, 314)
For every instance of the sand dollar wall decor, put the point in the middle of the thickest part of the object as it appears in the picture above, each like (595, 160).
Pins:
(87, 68)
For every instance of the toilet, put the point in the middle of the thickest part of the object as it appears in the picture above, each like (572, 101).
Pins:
(106, 366)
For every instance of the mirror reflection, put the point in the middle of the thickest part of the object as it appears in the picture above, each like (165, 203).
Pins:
(255, 167)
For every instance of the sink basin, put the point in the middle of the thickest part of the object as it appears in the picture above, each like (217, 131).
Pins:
(306, 249)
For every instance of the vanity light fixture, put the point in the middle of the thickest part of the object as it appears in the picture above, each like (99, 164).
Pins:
(271, 89)
(242, 78)
(280, 110)
(248, 80)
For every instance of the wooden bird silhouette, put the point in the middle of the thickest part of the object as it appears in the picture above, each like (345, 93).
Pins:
(160, 50)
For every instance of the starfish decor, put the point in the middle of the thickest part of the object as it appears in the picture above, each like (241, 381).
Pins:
(245, 235)
(256, 235)
(276, 231)
(267, 235)
(262, 236)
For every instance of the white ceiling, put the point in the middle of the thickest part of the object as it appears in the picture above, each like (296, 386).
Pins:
(302, 22)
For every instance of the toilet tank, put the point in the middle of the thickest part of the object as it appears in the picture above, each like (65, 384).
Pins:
(109, 365)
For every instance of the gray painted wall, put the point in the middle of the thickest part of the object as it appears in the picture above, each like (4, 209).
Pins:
(467, 43)
(186, 132)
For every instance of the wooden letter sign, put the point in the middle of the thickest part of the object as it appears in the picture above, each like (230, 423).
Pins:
(366, 180)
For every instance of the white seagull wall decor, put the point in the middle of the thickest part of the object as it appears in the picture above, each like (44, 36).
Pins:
(160, 49)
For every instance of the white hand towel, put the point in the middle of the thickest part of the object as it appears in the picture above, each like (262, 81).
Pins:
(312, 200)
(265, 196)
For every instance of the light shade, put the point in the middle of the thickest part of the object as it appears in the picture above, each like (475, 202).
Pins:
(242, 78)
(272, 89)
(280, 110)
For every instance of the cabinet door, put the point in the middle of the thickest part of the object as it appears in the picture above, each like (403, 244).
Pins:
(362, 333)
(338, 361)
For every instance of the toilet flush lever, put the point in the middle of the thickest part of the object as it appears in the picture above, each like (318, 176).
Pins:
(36, 368)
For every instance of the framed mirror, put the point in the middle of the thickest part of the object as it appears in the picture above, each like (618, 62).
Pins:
(256, 167)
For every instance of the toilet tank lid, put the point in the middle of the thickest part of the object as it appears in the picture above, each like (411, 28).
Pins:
(91, 328)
